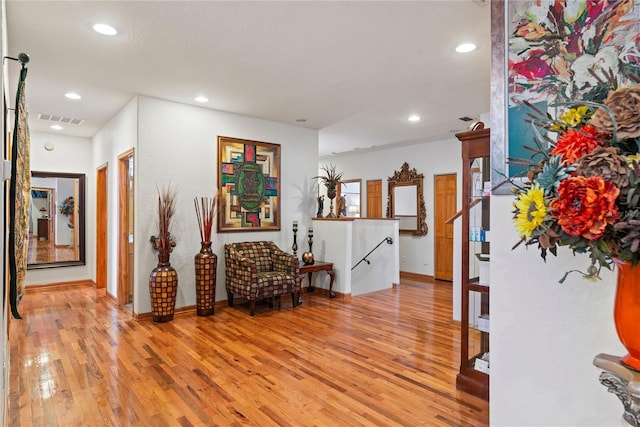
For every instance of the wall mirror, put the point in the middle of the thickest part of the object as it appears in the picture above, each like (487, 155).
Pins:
(405, 201)
(56, 221)
(350, 189)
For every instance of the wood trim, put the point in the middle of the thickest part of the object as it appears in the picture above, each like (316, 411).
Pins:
(188, 309)
(41, 286)
(415, 276)
(102, 227)
(123, 241)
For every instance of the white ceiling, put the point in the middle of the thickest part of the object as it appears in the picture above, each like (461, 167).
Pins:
(354, 70)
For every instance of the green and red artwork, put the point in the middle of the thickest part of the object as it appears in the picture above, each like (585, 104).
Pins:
(249, 182)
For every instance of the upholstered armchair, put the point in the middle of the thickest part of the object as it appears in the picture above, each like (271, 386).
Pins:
(258, 270)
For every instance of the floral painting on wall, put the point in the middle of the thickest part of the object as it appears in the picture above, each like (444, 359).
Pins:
(564, 51)
(249, 185)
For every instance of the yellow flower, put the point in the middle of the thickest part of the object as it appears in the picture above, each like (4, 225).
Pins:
(573, 117)
(531, 211)
(631, 158)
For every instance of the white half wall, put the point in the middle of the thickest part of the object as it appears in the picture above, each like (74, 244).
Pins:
(383, 269)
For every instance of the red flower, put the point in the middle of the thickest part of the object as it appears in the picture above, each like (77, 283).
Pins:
(532, 68)
(585, 206)
(576, 143)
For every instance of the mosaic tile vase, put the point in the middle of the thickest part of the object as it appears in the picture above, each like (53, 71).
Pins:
(206, 262)
(163, 287)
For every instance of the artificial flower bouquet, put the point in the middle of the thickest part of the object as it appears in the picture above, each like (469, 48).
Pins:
(583, 187)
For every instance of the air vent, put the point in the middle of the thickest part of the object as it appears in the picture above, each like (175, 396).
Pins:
(60, 119)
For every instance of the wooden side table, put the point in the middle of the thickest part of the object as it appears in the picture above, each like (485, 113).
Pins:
(318, 266)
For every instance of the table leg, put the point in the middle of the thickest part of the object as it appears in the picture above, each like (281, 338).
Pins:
(332, 274)
(310, 288)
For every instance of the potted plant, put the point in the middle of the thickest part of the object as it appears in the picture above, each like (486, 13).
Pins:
(331, 181)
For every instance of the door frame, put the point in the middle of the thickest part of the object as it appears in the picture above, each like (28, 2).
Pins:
(122, 296)
(102, 226)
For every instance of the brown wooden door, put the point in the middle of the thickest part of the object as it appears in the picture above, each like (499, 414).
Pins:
(374, 199)
(445, 208)
(101, 227)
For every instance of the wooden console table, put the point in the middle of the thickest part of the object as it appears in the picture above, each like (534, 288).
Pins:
(318, 266)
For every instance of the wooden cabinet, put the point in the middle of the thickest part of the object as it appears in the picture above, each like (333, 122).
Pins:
(475, 320)
(43, 228)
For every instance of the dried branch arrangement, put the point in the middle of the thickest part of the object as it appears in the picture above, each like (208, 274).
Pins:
(205, 211)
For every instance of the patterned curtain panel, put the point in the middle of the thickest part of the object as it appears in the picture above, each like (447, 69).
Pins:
(20, 200)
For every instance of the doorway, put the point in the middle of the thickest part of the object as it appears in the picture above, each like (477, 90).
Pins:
(374, 198)
(125, 228)
(101, 227)
(445, 187)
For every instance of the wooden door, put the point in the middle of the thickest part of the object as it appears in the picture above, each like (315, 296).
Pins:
(101, 227)
(445, 208)
(374, 198)
(125, 227)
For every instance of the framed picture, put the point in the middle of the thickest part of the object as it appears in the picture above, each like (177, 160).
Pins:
(547, 55)
(248, 185)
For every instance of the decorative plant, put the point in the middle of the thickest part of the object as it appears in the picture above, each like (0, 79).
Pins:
(578, 60)
(584, 188)
(164, 242)
(205, 211)
(331, 179)
(67, 206)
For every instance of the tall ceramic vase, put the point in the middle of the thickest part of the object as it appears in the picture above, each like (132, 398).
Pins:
(206, 262)
(627, 313)
(163, 287)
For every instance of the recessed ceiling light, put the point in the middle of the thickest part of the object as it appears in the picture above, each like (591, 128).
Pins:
(201, 98)
(414, 118)
(104, 29)
(72, 95)
(56, 127)
(466, 48)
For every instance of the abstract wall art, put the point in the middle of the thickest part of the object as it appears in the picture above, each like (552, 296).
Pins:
(248, 185)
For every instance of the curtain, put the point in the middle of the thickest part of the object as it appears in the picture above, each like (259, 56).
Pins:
(20, 198)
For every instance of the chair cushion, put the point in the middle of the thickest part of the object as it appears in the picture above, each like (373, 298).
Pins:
(258, 252)
(274, 283)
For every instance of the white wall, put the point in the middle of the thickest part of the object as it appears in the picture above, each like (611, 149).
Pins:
(383, 269)
(116, 138)
(433, 158)
(178, 145)
(544, 335)
(73, 155)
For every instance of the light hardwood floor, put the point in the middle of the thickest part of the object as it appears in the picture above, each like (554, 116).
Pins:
(382, 359)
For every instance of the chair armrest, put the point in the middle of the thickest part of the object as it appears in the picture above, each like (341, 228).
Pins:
(286, 262)
(237, 266)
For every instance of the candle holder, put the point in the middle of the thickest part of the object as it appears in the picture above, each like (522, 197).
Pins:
(307, 257)
(294, 247)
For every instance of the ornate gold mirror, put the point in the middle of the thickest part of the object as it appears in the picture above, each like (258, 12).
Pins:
(405, 201)
(56, 222)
